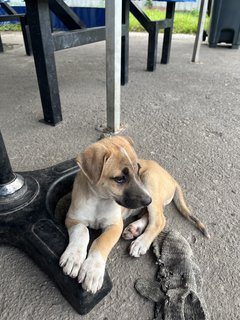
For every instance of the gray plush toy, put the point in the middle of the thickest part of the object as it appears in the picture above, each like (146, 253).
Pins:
(177, 291)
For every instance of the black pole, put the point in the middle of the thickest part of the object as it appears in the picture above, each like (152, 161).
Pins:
(6, 173)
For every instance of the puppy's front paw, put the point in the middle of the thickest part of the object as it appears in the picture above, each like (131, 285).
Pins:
(91, 274)
(71, 261)
(139, 247)
(131, 231)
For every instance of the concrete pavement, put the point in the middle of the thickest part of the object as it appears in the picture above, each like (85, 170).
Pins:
(185, 116)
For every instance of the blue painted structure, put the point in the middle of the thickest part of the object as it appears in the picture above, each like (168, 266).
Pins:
(92, 17)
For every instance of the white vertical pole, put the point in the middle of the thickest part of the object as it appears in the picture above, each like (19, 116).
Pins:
(198, 38)
(113, 16)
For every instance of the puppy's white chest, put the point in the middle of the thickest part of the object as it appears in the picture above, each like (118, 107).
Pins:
(96, 213)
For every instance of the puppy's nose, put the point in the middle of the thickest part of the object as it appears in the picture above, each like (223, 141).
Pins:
(146, 201)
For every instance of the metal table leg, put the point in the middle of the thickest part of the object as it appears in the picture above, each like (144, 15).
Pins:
(12, 15)
(1, 45)
(26, 35)
(152, 48)
(125, 42)
(167, 38)
(38, 16)
(113, 62)
(199, 35)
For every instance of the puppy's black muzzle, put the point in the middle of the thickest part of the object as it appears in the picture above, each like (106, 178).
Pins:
(134, 198)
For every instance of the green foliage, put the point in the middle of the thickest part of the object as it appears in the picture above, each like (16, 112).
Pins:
(10, 27)
(149, 4)
(184, 22)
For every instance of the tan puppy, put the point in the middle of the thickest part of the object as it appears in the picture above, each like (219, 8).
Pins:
(111, 183)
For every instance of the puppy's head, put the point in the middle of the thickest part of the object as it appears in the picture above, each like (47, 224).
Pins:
(112, 168)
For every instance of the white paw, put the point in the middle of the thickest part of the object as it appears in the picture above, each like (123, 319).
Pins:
(138, 247)
(71, 261)
(91, 274)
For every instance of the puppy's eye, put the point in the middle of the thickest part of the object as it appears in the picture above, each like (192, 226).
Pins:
(120, 180)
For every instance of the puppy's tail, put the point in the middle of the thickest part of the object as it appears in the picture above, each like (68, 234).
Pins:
(184, 210)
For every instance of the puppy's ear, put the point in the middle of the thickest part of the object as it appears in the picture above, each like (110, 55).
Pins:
(92, 161)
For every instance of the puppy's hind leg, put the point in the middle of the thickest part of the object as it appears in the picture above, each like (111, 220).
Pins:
(134, 229)
(156, 223)
(184, 210)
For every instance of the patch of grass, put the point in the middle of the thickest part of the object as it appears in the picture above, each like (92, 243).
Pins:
(10, 27)
(184, 22)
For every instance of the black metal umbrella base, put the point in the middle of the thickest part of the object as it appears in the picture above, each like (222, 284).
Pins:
(27, 206)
